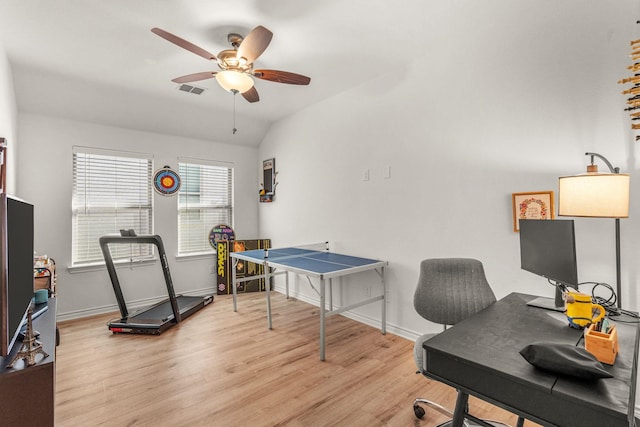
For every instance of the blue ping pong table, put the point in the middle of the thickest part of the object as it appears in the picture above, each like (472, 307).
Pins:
(318, 264)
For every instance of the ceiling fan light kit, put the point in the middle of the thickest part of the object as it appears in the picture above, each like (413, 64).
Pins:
(236, 65)
(231, 80)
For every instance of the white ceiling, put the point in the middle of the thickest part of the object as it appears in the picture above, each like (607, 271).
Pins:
(97, 60)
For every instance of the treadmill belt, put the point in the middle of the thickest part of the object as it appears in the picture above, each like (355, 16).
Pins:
(163, 312)
(160, 313)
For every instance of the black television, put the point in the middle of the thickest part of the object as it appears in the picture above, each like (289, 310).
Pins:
(16, 260)
(548, 249)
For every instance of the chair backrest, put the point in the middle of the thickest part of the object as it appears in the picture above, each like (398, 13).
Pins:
(451, 289)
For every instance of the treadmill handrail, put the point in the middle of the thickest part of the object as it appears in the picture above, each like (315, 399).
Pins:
(154, 239)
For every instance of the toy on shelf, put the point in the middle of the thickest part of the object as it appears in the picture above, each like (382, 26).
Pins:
(44, 273)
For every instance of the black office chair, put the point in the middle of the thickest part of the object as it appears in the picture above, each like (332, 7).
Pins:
(449, 290)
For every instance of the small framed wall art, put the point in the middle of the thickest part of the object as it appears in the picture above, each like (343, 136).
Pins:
(269, 183)
(532, 205)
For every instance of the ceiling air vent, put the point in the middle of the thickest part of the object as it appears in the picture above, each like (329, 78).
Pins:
(191, 89)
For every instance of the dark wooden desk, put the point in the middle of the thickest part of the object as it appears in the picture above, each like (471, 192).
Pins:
(27, 394)
(480, 357)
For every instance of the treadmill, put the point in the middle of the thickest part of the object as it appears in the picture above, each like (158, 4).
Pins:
(161, 316)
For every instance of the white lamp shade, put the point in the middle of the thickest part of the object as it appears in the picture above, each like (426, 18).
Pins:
(599, 195)
(233, 80)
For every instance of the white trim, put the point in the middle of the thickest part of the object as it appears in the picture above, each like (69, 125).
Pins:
(208, 162)
(97, 266)
(132, 305)
(79, 149)
(196, 255)
(367, 320)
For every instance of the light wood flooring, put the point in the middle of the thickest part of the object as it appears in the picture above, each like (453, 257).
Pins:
(220, 368)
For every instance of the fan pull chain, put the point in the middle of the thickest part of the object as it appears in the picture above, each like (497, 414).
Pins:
(235, 92)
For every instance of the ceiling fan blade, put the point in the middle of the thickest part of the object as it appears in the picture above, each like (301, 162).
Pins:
(254, 44)
(183, 43)
(251, 95)
(195, 77)
(282, 77)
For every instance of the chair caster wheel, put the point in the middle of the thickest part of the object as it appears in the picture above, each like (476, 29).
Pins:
(418, 411)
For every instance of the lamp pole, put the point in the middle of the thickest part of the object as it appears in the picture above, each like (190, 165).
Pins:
(618, 284)
(618, 270)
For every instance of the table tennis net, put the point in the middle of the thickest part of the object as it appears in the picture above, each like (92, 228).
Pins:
(294, 251)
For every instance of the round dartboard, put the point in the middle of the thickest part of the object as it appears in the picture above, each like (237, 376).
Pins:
(166, 181)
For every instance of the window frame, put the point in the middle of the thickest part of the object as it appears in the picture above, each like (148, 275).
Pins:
(193, 248)
(86, 195)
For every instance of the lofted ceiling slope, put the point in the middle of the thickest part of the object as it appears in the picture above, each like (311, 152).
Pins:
(98, 61)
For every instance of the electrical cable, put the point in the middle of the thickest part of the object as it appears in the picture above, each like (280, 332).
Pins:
(610, 303)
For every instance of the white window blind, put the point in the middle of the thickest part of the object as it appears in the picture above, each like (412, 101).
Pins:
(111, 191)
(205, 200)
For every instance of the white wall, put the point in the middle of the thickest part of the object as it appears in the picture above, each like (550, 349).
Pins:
(45, 177)
(8, 119)
(500, 97)
(504, 97)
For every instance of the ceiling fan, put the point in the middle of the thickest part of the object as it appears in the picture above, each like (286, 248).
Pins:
(236, 64)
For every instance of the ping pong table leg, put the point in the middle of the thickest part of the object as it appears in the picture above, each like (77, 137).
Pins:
(330, 294)
(286, 281)
(322, 306)
(384, 302)
(267, 281)
(234, 262)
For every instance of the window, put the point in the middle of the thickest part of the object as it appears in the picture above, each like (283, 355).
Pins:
(205, 200)
(111, 191)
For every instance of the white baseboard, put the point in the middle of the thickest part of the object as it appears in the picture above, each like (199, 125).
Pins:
(367, 320)
(131, 305)
(135, 305)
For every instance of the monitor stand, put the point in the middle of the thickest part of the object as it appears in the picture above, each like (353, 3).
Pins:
(555, 304)
(546, 303)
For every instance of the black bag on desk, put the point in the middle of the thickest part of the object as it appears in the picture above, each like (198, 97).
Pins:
(564, 359)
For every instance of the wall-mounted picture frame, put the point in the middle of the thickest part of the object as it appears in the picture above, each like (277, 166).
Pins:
(532, 205)
(269, 183)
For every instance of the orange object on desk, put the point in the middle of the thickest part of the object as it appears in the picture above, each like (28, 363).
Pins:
(603, 346)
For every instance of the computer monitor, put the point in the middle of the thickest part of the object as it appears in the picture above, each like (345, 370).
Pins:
(16, 267)
(548, 249)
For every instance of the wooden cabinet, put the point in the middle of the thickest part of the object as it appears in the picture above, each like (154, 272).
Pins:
(27, 394)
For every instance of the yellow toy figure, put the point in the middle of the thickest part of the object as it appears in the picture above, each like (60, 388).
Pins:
(579, 310)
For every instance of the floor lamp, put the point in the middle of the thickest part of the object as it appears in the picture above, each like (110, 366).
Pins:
(597, 195)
